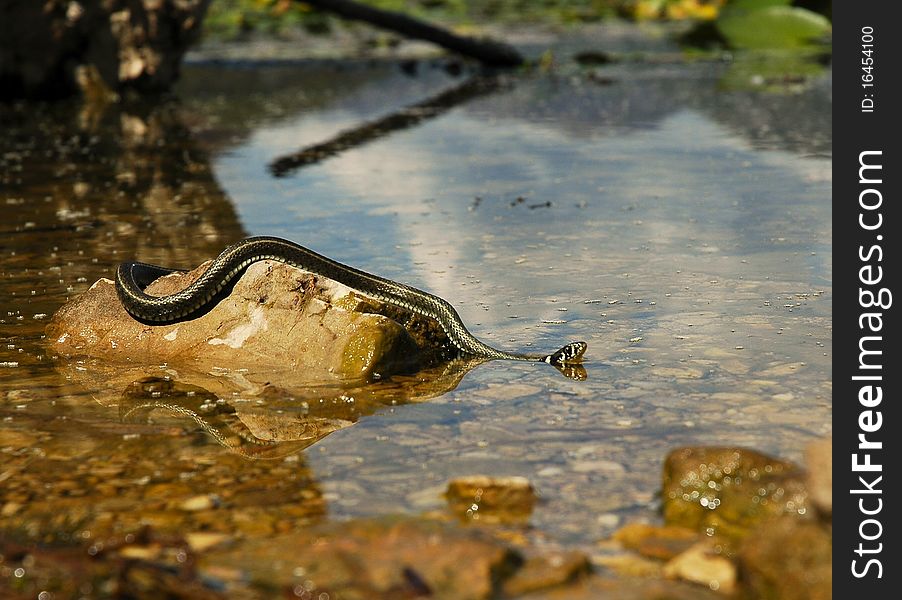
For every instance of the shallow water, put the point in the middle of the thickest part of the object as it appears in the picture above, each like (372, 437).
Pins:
(680, 228)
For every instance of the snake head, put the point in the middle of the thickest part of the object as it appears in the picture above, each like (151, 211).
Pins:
(569, 354)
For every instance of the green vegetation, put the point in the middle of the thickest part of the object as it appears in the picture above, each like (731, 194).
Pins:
(736, 24)
(232, 18)
(760, 24)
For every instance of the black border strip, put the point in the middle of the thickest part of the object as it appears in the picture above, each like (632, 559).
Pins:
(866, 225)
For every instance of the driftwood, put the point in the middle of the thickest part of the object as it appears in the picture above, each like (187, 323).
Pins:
(489, 52)
(372, 130)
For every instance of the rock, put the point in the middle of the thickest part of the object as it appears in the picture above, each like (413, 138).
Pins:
(603, 588)
(129, 44)
(701, 564)
(491, 499)
(819, 460)
(630, 565)
(394, 557)
(788, 559)
(729, 491)
(391, 557)
(279, 422)
(655, 541)
(542, 572)
(199, 541)
(276, 317)
(202, 502)
(141, 552)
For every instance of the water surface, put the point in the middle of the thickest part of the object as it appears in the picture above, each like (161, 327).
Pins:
(680, 228)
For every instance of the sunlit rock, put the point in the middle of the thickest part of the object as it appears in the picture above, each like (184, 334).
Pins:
(661, 542)
(729, 491)
(547, 571)
(392, 558)
(702, 564)
(276, 317)
(627, 588)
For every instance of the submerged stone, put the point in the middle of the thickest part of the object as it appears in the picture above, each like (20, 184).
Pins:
(491, 499)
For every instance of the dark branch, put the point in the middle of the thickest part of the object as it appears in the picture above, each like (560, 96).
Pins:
(489, 52)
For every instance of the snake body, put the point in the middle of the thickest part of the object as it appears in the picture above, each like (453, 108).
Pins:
(133, 277)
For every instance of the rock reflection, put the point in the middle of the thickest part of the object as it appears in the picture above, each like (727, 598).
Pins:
(222, 421)
(275, 421)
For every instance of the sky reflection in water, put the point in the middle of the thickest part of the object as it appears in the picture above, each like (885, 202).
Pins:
(659, 218)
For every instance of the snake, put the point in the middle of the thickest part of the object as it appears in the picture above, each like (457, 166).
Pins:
(133, 277)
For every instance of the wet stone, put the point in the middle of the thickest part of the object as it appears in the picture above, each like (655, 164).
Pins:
(491, 499)
(542, 572)
(729, 491)
(787, 560)
(656, 541)
(197, 503)
(630, 565)
(596, 588)
(204, 540)
(393, 557)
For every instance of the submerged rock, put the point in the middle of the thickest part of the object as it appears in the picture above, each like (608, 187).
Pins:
(491, 499)
(275, 317)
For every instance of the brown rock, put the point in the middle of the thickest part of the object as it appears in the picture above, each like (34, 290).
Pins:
(547, 571)
(787, 560)
(276, 317)
(202, 502)
(603, 588)
(819, 459)
(729, 491)
(491, 499)
(655, 541)
(630, 565)
(375, 558)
